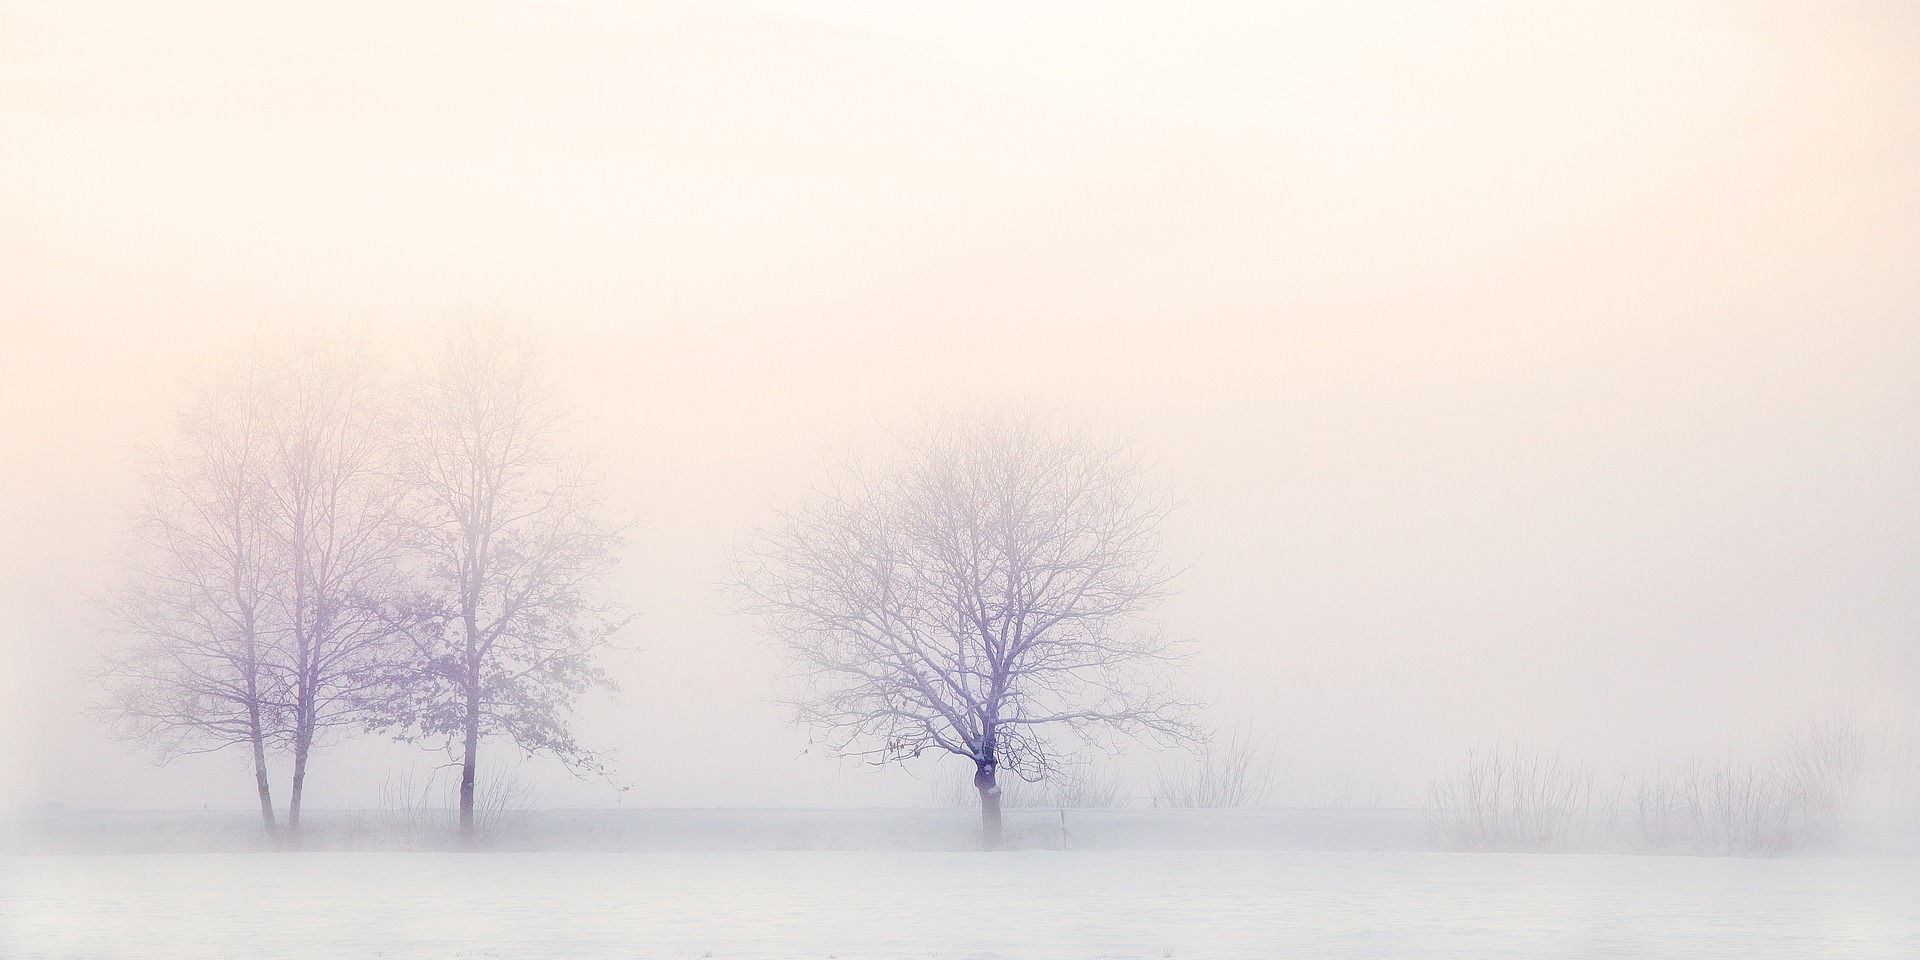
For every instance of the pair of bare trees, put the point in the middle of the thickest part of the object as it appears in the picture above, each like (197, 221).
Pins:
(321, 549)
(249, 605)
(983, 589)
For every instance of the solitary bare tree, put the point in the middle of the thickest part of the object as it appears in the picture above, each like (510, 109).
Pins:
(191, 665)
(511, 544)
(984, 590)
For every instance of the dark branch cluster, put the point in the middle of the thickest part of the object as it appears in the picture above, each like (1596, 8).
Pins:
(984, 590)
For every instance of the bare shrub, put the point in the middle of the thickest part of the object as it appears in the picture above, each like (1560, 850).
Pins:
(1891, 787)
(1828, 773)
(501, 803)
(424, 811)
(1515, 798)
(1744, 808)
(1240, 771)
(1840, 770)
(1729, 807)
(1094, 786)
(1662, 811)
(410, 811)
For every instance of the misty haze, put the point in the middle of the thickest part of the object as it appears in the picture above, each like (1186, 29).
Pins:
(849, 479)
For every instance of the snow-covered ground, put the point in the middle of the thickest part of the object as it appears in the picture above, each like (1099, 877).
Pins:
(792, 884)
(909, 904)
(710, 829)
(656, 830)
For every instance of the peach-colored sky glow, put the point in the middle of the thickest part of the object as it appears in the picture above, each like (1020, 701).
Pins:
(1526, 372)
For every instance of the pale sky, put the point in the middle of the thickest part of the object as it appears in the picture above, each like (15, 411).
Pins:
(1525, 372)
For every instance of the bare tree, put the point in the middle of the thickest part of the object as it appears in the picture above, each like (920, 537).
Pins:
(982, 591)
(191, 666)
(333, 509)
(511, 544)
(262, 553)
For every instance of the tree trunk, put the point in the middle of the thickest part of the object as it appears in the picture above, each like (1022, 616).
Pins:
(303, 731)
(256, 730)
(470, 617)
(983, 781)
(303, 744)
(260, 782)
(467, 763)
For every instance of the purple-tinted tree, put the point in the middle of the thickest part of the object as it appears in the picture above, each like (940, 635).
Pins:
(511, 544)
(250, 607)
(191, 663)
(335, 524)
(983, 589)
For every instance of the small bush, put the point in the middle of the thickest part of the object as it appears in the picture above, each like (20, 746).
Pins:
(1827, 773)
(1515, 798)
(1731, 807)
(418, 811)
(1237, 772)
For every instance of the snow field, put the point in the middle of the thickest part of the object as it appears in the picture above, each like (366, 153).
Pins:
(1045, 905)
